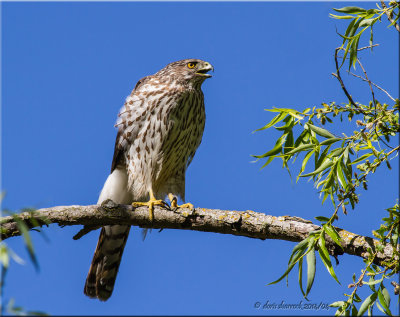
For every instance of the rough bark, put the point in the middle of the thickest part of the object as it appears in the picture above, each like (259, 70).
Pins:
(240, 223)
(390, 16)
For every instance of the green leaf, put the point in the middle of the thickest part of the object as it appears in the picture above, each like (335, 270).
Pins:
(371, 38)
(395, 20)
(337, 152)
(295, 114)
(301, 276)
(275, 120)
(276, 149)
(367, 303)
(19, 311)
(297, 254)
(346, 51)
(322, 218)
(351, 10)
(322, 158)
(331, 231)
(348, 30)
(301, 246)
(361, 158)
(353, 51)
(346, 155)
(386, 295)
(289, 142)
(346, 165)
(304, 163)
(292, 112)
(320, 131)
(28, 242)
(328, 163)
(289, 123)
(339, 17)
(381, 309)
(301, 138)
(330, 141)
(311, 261)
(350, 38)
(356, 298)
(355, 28)
(4, 257)
(368, 22)
(340, 311)
(270, 159)
(15, 257)
(371, 283)
(290, 267)
(384, 299)
(337, 304)
(328, 191)
(347, 169)
(340, 175)
(300, 148)
(354, 311)
(323, 252)
(371, 12)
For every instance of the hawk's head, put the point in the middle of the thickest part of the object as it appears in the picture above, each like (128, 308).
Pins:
(187, 70)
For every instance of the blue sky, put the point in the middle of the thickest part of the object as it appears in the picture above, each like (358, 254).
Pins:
(66, 70)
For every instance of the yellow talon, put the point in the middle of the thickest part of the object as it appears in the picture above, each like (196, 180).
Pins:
(174, 203)
(187, 205)
(151, 203)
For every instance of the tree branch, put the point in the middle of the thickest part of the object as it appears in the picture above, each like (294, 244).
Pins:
(390, 16)
(380, 88)
(240, 223)
(339, 78)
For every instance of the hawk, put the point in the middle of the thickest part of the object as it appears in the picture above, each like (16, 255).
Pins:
(160, 128)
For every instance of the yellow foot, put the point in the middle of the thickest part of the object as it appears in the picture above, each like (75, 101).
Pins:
(174, 203)
(151, 203)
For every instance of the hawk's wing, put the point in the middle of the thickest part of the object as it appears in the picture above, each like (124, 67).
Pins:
(118, 157)
(120, 141)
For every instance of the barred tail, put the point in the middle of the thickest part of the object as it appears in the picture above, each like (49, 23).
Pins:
(110, 246)
(106, 260)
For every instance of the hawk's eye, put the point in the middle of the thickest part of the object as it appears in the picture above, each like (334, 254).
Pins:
(191, 65)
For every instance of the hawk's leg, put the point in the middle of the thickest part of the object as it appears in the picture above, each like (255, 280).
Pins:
(174, 203)
(151, 203)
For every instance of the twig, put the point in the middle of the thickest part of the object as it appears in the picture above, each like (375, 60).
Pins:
(365, 47)
(395, 149)
(380, 88)
(84, 231)
(374, 100)
(369, 83)
(360, 280)
(390, 16)
(337, 75)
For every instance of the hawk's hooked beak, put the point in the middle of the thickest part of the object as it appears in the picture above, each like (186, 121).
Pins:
(206, 67)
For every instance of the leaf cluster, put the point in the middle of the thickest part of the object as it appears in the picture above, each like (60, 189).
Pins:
(361, 20)
(316, 241)
(334, 156)
(342, 163)
(388, 233)
(6, 253)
